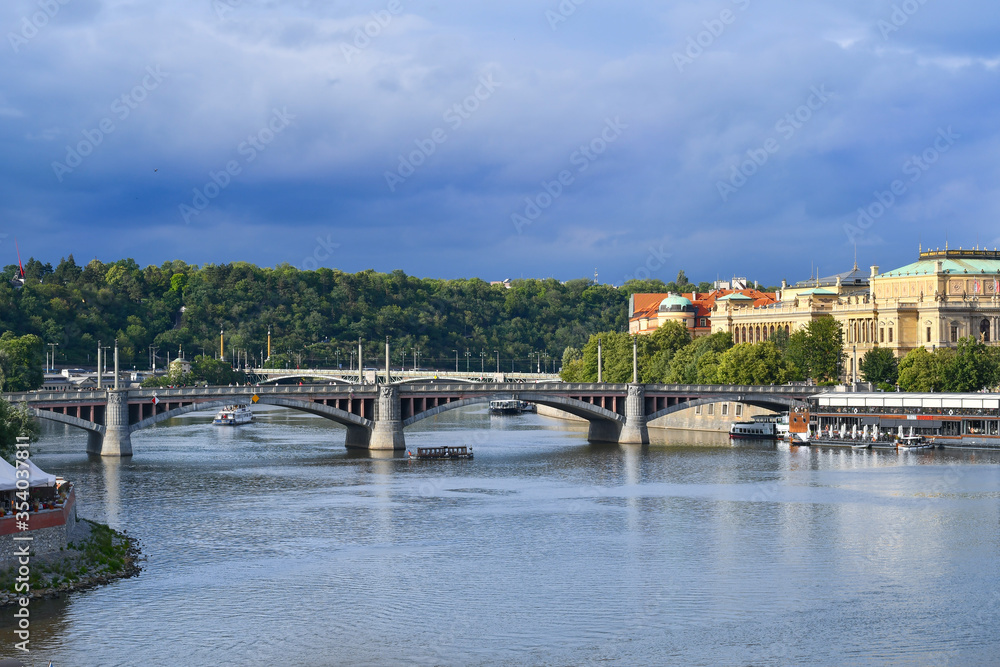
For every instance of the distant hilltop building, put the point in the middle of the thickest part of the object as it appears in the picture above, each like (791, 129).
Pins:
(648, 312)
(944, 296)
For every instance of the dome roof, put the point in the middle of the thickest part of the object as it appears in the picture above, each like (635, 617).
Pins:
(675, 302)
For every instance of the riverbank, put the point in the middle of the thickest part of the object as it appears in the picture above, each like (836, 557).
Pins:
(96, 555)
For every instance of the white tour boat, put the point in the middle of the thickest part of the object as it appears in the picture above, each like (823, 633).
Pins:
(754, 429)
(234, 415)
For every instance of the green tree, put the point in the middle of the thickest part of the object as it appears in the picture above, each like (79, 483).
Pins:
(918, 371)
(664, 343)
(879, 366)
(21, 362)
(970, 369)
(213, 371)
(15, 421)
(686, 366)
(747, 363)
(572, 365)
(825, 349)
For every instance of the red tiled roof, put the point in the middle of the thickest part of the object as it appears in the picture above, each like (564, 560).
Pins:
(647, 305)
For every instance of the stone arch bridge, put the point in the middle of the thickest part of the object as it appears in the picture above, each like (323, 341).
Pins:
(375, 415)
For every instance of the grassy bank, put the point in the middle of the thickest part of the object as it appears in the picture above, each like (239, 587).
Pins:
(97, 555)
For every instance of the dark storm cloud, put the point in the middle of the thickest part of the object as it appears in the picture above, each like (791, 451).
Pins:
(752, 136)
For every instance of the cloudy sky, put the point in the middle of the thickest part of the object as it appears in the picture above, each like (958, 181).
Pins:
(511, 139)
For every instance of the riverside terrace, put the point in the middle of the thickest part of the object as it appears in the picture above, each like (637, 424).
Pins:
(375, 415)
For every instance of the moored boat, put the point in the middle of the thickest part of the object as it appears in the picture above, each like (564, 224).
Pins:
(455, 452)
(753, 429)
(913, 442)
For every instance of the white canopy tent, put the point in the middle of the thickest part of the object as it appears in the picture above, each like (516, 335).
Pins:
(36, 476)
(39, 477)
(8, 476)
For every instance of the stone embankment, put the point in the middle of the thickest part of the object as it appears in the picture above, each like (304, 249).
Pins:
(96, 555)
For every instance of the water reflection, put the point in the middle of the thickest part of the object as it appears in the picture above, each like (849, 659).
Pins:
(111, 471)
(273, 544)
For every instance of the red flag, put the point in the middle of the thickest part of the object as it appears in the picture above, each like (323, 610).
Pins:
(21, 268)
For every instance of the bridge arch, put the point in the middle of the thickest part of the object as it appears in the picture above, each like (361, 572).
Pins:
(89, 426)
(300, 376)
(436, 378)
(776, 403)
(334, 414)
(588, 411)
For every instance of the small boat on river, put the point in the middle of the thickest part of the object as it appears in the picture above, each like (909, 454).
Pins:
(753, 429)
(234, 415)
(456, 452)
(913, 442)
(506, 406)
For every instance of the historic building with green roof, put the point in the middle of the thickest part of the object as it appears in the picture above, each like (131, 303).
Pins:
(944, 296)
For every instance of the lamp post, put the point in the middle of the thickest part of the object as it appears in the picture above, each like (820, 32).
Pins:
(52, 365)
(482, 361)
(498, 361)
(635, 360)
(600, 362)
(466, 360)
(854, 366)
(456, 360)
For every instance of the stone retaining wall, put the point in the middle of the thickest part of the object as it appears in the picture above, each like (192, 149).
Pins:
(692, 419)
(58, 524)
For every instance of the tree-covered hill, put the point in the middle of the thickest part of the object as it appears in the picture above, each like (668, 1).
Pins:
(312, 314)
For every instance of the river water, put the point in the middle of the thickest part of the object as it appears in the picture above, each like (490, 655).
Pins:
(271, 544)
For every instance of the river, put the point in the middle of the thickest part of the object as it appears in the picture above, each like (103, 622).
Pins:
(272, 544)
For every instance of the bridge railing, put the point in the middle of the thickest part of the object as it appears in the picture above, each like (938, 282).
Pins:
(429, 388)
(798, 390)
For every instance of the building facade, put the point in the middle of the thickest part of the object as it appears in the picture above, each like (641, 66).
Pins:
(648, 312)
(944, 296)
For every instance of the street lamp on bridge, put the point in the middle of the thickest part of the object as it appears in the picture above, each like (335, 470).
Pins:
(52, 349)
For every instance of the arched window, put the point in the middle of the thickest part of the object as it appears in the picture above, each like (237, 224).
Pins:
(984, 330)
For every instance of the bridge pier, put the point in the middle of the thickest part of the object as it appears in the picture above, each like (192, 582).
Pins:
(634, 432)
(117, 438)
(387, 433)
